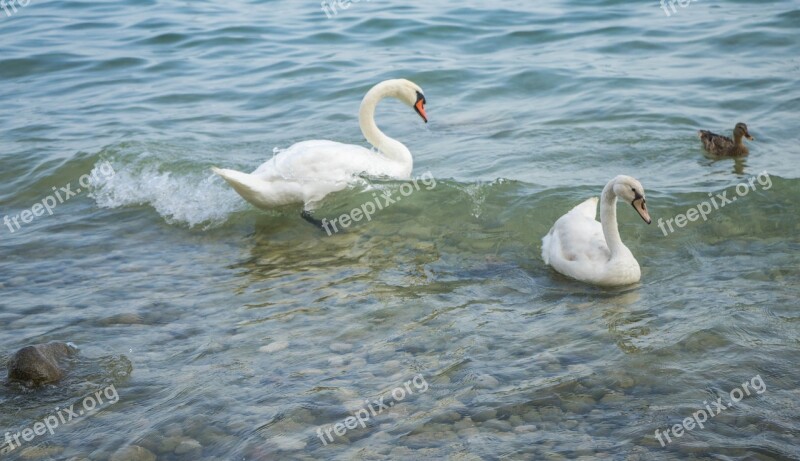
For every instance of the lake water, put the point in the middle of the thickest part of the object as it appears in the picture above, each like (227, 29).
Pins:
(232, 333)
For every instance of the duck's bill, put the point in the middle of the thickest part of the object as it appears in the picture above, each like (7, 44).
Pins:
(747, 135)
(641, 207)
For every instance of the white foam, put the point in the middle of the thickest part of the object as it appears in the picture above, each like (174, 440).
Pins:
(190, 199)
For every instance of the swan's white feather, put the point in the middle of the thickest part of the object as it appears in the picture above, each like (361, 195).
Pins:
(328, 161)
(576, 245)
(308, 171)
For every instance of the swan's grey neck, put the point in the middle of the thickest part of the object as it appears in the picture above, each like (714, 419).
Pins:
(608, 218)
(391, 148)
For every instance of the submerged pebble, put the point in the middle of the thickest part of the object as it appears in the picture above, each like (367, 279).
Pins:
(288, 443)
(133, 453)
(188, 446)
(274, 347)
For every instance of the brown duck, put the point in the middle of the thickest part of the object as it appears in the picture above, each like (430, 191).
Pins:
(723, 146)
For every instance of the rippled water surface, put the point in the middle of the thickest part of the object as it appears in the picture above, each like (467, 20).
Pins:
(232, 333)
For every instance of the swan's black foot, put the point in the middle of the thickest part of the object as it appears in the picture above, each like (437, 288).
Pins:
(314, 221)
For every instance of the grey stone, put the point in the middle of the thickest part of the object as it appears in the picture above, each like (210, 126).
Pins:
(39, 364)
(133, 453)
(188, 445)
(484, 415)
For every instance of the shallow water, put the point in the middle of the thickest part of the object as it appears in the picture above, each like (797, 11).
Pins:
(230, 333)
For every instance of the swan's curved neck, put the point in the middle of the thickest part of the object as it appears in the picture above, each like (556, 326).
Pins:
(608, 217)
(391, 148)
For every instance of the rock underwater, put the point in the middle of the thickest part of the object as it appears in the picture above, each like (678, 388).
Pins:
(40, 364)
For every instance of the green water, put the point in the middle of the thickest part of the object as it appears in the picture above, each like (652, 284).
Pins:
(231, 333)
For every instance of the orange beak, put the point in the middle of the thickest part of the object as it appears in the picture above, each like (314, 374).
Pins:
(420, 107)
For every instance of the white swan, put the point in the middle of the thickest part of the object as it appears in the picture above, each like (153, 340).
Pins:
(308, 171)
(580, 247)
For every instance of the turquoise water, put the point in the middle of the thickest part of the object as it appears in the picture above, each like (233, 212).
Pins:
(231, 333)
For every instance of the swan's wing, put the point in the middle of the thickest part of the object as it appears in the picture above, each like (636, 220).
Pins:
(587, 209)
(551, 243)
(305, 172)
(582, 241)
(575, 246)
(318, 161)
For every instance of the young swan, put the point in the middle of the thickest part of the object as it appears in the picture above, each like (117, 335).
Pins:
(723, 146)
(581, 248)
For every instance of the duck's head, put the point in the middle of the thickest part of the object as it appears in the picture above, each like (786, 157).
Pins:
(630, 190)
(741, 130)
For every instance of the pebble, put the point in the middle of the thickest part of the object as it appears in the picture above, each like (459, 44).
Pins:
(392, 366)
(17, 281)
(525, 428)
(432, 439)
(277, 346)
(133, 453)
(544, 358)
(380, 355)
(188, 445)
(122, 319)
(532, 416)
(570, 424)
(101, 453)
(497, 425)
(40, 452)
(173, 430)
(579, 404)
(308, 372)
(341, 348)
(287, 443)
(358, 362)
(612, 398)
(169, 444)
(469, 457)
(484, 381)
(469, 433)
(464, 423)
(303, 416)
(446, 417)
(551, 413)
(621, 379)
(485, 415)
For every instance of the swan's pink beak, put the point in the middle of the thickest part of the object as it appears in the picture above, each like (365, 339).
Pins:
(420, 107)
(641, 207)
